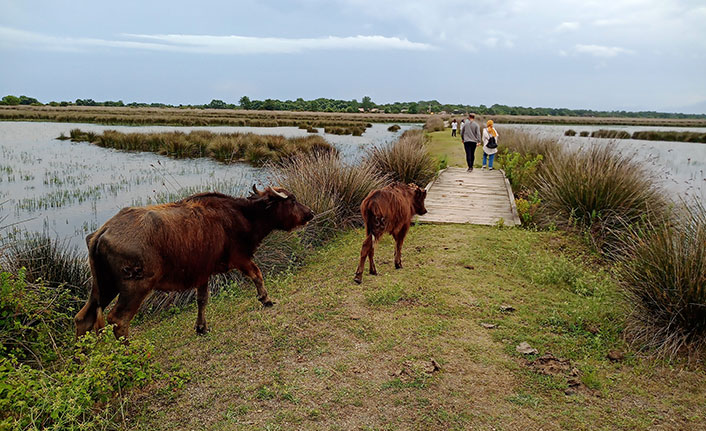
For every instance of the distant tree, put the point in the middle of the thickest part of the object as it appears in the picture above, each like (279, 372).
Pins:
(10, 100)
(24, 100)
(269, 105)
(86, 102)
(217, 104)
(245, 102)
(367, 103)
(413, 108)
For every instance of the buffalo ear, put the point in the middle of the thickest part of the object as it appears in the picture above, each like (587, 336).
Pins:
(254, 190)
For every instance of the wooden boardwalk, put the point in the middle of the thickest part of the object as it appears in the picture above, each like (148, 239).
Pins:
(478, 197)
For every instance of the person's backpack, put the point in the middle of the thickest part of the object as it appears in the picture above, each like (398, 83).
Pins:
(492, 143)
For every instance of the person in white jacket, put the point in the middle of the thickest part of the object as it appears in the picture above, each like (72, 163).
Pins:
(489, 152)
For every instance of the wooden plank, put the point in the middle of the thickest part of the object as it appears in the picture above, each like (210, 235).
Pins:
(478, 197)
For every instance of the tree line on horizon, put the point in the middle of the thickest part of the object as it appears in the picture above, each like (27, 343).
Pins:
(365, 105)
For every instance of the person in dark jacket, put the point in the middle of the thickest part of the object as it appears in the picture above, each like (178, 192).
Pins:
(470, 135)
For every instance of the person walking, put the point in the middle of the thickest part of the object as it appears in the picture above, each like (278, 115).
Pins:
(490, 144)
(454, 127)
(470, 135)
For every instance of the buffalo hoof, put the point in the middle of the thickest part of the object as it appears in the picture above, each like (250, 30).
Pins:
(398, 265)
(201, 329)
(373, 272)
(358, 278)
(268, 303)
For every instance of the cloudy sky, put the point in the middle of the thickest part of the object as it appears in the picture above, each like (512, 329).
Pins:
(599, 54)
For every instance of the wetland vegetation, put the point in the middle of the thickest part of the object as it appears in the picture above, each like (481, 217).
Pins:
(646, 135)
(224, 147)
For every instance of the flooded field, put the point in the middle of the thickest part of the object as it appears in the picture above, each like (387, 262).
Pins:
(69, 189)
(680, 167)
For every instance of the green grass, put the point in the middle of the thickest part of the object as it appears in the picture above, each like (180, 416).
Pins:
(328, 355)
(443, 145)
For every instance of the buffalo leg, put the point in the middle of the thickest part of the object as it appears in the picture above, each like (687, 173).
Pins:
(364, 252)
(91, 315)
(371, 253)
(201, 301)
(129, 301)
(399, 239)
(253, 273)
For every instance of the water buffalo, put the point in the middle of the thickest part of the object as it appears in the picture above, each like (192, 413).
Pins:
(178, 246)
(388, 210)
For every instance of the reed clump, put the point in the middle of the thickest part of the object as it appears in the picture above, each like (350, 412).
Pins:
(570, 132)
(434, 124)
(333, 189)
(610, 134)
(224, 147)
(653, 135)
(597, 190)
(406, 160)
(664, 275)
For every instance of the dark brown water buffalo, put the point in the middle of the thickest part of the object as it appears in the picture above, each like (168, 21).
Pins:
(388, 210)
(178, 246)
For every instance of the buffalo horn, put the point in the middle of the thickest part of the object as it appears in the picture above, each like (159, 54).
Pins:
(280, 194)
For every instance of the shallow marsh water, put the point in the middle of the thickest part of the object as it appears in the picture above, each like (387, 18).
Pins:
(69, 189)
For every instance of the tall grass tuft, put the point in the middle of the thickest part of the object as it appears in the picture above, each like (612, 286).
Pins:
(406, 160)
(50, 261)
(597, 190)
(664, 273)
(332, 189)
(434, 124)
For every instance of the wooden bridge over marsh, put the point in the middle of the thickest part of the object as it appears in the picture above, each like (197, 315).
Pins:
(479, 197)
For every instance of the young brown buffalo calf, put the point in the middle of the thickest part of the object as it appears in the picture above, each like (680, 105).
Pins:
(178, 246)
(390, 210)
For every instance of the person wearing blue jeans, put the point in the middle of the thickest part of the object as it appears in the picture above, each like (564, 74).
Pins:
(489, 158)
(490, 145)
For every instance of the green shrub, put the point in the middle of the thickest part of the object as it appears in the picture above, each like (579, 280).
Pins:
(35, 320)
(664, 274)
(82, 394)
(520, 169)
(406, 160)
(527, 209)
(597, 190)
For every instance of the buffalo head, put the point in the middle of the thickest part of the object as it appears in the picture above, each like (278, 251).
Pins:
(283, 208)
(418, 199)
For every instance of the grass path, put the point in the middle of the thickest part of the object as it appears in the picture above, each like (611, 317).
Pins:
(334, 355)
(443, 145)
